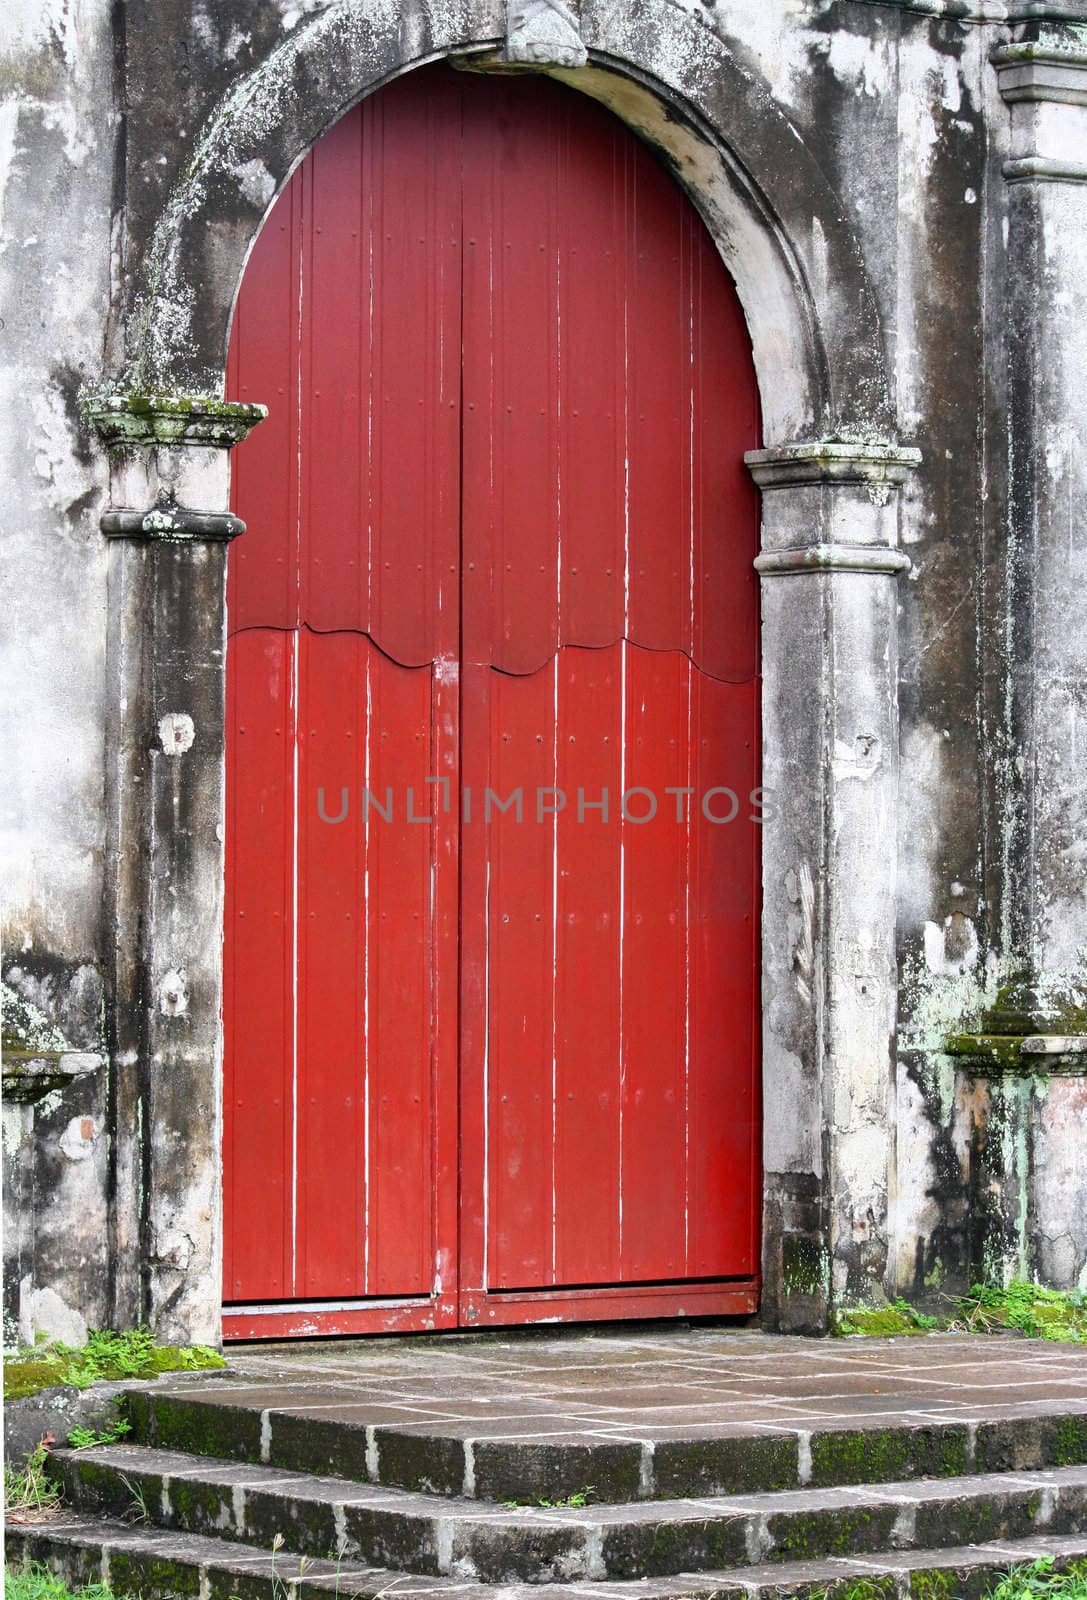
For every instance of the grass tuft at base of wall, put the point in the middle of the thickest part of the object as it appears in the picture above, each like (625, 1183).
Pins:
(38, 1583)
(109, 1356)
(1025, 1308)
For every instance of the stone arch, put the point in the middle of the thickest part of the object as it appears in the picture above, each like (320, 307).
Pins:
(829, 662)
(777, 221)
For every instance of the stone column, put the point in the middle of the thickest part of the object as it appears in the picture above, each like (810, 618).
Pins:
(170, 522)
(829, 566)
(1043, 79)
(1028, 1060)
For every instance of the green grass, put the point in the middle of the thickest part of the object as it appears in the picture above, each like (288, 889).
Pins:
(38, 1583)
(112, 1356)
(27, 1491)
(1038, 1313)
(577, 1500)
(87, 1438)
(1035, 1582)
(1024, 1583)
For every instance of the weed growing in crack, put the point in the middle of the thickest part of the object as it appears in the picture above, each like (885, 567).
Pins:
(29, 1496)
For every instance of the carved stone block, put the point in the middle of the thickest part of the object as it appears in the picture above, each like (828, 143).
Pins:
(544, 33)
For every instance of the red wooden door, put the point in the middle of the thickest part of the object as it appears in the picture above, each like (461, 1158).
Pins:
(491, 901)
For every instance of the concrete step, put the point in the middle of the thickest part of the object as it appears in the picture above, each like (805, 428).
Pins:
(154, 1563)
(463, 1540)
(325, 1433)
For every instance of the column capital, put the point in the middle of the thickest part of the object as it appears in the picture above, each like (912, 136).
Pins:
(1031, 1028)
(169, 463)
(1038, 71)
(828, 461)
(127, 420)
(1044, 82)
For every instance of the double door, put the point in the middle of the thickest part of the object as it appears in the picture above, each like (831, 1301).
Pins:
(491, 933)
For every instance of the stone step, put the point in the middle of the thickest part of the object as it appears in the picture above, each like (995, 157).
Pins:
(327, 1434)
(155, 1563)
(463, 1540)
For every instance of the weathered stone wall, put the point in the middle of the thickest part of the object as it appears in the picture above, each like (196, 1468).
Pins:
(142, 143)
(59, 147)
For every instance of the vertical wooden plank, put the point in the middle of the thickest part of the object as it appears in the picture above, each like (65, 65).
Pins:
(258, 967)
(587, 956)
(509, 617)
(401, 1017)
(725, 421)
(724, 1148)
(654, 976)
(511, 508)
(483, 481)
(521, 968)
(443, 1129)
(262, 576)
(335, 553)
(476, 775)
(412, 293)
(659, 398)
(331, 1039)
(412, 228)
(592, 334)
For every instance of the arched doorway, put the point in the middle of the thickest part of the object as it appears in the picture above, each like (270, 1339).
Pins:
(491, 1041)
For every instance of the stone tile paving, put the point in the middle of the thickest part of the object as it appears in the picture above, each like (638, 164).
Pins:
(681, 1382)
(693, 1448)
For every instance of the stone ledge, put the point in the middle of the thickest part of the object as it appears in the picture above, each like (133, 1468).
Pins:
(140, 420)
(832, 461)
(1017, 1054)
(1037, 73)
(875, 559)
(28, 1076)
(1031, 52)
(991, 10)
(1040, 169)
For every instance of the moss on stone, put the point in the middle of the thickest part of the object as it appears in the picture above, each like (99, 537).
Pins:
(862, 1455)
(1021, 1307)
(932, 1584)
(1070, 1443)
(176, 1423)
(876, 1588)
(199, 1506)
(950, 1453)
(723, 1466)
(804, 1266)
(135, 418)
(881, 1322)
(820, 1534)
(1003, 1050)
(23, 1378)
(106, 1356)
(141, 1574)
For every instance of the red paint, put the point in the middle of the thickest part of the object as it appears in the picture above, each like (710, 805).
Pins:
(489, 1071)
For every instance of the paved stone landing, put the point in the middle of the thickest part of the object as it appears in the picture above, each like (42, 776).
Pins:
(662, 1384)
(686, 1462)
